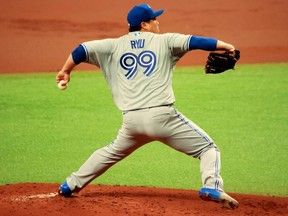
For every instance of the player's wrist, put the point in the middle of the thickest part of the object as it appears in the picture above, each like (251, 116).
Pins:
(65, 71)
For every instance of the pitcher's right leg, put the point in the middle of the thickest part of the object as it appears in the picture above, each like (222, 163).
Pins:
(102, 159)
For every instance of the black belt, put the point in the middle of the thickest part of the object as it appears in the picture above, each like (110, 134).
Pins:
(169, 105)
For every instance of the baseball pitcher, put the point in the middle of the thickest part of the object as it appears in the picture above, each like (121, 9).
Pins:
(138, 68)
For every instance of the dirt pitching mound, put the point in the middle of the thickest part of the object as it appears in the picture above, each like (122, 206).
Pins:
(42, 199)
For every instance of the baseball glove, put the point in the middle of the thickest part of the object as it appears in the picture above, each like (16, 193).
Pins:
(220, 62)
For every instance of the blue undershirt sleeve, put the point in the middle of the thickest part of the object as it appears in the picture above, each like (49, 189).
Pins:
(203, 43)
(79, 55)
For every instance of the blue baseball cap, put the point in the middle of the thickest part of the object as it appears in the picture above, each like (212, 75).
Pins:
(141, 13)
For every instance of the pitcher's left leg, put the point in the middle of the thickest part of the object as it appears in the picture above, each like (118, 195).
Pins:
(210, 166)
(185, 136)
(212, 189)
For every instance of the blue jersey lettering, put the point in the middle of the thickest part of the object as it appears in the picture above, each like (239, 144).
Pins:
(130, 62)
(137, 44)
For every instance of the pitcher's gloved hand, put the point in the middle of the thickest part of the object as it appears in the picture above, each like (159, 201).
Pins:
(220, 62)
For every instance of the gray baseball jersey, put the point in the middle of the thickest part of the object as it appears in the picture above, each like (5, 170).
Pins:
(138, 66)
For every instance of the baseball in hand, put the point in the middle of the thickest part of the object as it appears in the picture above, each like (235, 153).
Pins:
(61, 86)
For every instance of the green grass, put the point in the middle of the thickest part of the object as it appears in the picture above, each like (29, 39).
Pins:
(45, 133)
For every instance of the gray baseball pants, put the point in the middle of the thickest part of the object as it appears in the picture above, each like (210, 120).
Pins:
(164, 124)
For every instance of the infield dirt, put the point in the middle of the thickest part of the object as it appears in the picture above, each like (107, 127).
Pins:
(38, 36)
(42, 199)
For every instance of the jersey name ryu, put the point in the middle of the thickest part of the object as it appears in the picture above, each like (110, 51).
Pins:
(130, 62)
(137, 44)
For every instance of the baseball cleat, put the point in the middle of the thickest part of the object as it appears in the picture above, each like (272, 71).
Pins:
(64, 190)
(220, 197)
